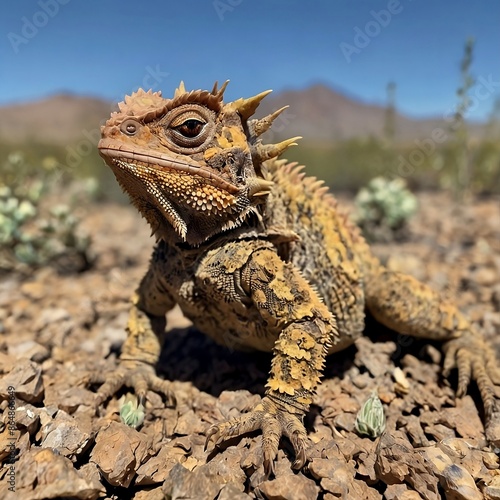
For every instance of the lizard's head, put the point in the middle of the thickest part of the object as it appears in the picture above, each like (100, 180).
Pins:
(190, 164)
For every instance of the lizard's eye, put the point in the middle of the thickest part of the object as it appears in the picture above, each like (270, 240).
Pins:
(129, 127)
(190, 128)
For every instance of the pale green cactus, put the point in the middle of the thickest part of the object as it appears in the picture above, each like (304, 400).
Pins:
(383, 208)
(370, 420)
(8, 228)
(31, 234)
(25, 210)
(131, 411)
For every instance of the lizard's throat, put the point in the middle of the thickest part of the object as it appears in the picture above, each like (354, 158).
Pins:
(180, 207)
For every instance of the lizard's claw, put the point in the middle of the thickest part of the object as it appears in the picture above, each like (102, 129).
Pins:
(139, 376)
(475, 360)
(274, 421)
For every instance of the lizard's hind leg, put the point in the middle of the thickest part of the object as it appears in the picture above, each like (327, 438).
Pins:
(407, 306)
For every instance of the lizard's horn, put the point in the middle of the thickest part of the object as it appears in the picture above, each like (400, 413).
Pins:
(265, 151)
(181, 89)
(247, 107)
(260, 126)
(219, 93)
(259, 187)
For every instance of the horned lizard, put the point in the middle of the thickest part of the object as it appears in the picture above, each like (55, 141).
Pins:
(259, 256)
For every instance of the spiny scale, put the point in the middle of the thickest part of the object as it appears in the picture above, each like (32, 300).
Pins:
(264, 152)
(219, 92)
(140, 101)
(181, 89)
(259, 187)
(262, 125)
(216, 91)
(247, 107)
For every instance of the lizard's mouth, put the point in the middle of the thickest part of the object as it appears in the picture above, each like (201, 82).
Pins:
(194, 199)
(119, 155)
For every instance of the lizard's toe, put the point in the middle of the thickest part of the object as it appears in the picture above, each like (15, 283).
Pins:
(274, 422)
(299, 442)
(141, 377)
(233, 428)
(492, 429)
(476, 361)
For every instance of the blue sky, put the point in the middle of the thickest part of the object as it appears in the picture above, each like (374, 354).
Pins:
(109, 48)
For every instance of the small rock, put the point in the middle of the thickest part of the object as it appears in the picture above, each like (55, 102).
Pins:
(90, 472)
(397, 462)
(149, 494)
(70, 436)
(26, 380)
(362, 380)
(232, 492)
(189, 423)
(119, 450)
(295, 486)
(42, 473)
(413, 428)
(495, 297)
(440, 432)
(233, 403)
(8, 443)
(73, 398)
(50, 316)
(459, 484)
(29, 349)
(186, 485)
(492, 490)
(327, 467)
(345, 421)
(34, 290)
(339, 487)
(484, 276)
(366, 466)
(464, 418)
(346, 404)
(402, 385)
(225, 467)
(400, 492)
(375, 358)
(157, 468)
(27, 417)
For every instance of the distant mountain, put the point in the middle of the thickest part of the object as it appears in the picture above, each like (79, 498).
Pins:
(317, 113)
(321, 114)
(60, 119)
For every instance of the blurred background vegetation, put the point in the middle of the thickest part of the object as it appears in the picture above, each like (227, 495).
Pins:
(42, 180)
(468, 161)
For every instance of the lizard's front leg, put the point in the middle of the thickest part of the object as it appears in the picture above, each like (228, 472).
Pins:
(289, 305)
(141, 349)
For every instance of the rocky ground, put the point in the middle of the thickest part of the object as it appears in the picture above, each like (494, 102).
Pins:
(56, 329)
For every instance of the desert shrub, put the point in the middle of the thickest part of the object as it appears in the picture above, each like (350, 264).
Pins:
(36, 229)
(383, 209)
